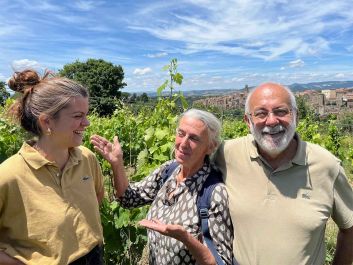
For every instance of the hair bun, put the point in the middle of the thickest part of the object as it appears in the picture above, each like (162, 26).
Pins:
(21, 81)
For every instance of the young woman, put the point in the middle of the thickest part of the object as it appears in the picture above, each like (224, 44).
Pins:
(51, 189)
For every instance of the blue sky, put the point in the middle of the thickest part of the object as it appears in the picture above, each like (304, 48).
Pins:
(218, 44)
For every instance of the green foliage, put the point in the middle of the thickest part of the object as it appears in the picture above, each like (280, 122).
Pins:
(143, 97)
(124, 239)
(345, 121)
(3, 93)
(11, 134)
(333, 140)
(234, 128)
(304, 109)
(309, 131)
(174, 77)
(103, 80)
(325, 134)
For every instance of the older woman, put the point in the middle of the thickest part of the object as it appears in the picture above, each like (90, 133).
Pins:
(173, 221)
(50, 190)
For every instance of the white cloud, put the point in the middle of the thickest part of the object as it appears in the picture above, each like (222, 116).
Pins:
(86, 5)
(142, 71)
(20, 65)
(225, 28)
(296, 63)
(339, 75)
(157, 55)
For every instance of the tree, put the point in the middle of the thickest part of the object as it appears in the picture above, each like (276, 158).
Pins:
(304, 108)
(103, 80)
(143, 97)
(3, 93)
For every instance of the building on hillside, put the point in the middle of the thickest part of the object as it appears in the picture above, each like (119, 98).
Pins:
(329, 94)
(348, 101)
(323, 102)
(232, 101)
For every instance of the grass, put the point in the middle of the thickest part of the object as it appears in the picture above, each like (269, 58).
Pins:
(330, 238)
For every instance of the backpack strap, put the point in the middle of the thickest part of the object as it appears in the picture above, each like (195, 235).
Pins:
(167, 172)
(203, 205)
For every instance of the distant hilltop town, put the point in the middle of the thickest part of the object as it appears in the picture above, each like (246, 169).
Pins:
(323, 102)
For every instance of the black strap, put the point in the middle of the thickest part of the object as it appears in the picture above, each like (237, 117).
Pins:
(167, 172)
(203, 206)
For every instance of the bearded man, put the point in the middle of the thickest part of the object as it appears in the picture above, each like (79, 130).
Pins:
(282, 190)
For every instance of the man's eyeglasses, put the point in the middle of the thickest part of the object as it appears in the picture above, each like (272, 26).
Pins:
(262, 115)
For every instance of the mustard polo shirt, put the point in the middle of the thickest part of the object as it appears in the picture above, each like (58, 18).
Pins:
(46, 218)
(279, 216)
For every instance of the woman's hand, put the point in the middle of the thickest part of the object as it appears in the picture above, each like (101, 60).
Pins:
(176, 231)
(112, 152)
(201, 253)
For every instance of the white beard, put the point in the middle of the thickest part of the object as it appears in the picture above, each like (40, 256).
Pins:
(273, 140)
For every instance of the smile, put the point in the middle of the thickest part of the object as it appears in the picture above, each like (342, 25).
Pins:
(279, 129)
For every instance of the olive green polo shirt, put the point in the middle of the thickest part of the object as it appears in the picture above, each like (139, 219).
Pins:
(279, 216)
(47, 217)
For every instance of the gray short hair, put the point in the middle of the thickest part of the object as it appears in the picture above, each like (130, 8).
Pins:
(213, 124)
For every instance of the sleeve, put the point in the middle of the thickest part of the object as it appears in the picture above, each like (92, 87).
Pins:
(220, 224)
(145, 191)
(342, 212)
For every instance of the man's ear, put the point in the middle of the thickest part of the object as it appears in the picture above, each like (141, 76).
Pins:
(297, 116)
(247, 120)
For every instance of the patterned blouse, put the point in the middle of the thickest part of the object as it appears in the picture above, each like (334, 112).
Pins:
(181, 209)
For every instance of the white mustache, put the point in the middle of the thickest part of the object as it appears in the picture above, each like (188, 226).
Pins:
(272, 130)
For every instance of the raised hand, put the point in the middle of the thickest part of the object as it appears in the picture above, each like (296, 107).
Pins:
(112, 152)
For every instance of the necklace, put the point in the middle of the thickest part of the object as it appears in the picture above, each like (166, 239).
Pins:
(59, 162)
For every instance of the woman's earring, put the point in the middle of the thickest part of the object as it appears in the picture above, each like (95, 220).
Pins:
(48, 132)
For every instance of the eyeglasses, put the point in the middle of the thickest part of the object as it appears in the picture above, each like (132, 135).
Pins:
(262, 115)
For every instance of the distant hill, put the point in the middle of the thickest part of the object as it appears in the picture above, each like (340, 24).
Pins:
(321, 85)
(199, 93)
(294, 87)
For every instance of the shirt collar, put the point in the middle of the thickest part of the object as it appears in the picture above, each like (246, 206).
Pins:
(299, 157)
(36, 160)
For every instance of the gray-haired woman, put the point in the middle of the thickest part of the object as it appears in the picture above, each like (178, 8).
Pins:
(173, 221)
